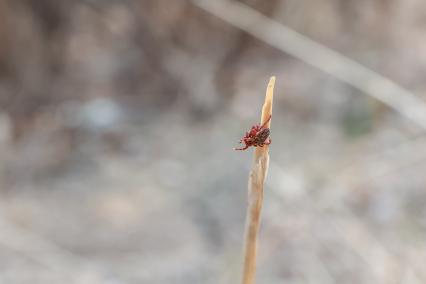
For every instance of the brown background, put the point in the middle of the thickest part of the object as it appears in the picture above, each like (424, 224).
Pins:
(117, 123)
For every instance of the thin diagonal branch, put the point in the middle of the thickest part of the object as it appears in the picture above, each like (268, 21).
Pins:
(319, 56)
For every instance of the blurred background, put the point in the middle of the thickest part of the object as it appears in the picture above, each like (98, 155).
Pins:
(118, 119)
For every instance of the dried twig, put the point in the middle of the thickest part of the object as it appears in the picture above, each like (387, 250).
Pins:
(326, 59)
(255, 194)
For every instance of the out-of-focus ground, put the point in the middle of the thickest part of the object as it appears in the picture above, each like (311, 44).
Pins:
(117, 123)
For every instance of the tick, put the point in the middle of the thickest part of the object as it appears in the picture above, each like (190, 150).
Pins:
(258, 136)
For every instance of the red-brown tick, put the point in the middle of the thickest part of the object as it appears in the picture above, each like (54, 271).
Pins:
(257, 136)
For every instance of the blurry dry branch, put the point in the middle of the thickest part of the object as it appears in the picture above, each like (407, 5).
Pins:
(319, 56)
(255, 194)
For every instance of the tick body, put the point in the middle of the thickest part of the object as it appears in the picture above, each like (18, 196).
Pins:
(258, 136)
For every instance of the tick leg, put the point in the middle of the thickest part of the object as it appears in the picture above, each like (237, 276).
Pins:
(266, 122)
(241, 149)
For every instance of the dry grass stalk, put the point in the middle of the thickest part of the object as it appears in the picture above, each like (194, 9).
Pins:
(255, 194)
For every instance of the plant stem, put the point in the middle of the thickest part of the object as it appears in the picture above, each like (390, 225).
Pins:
(255, 194)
